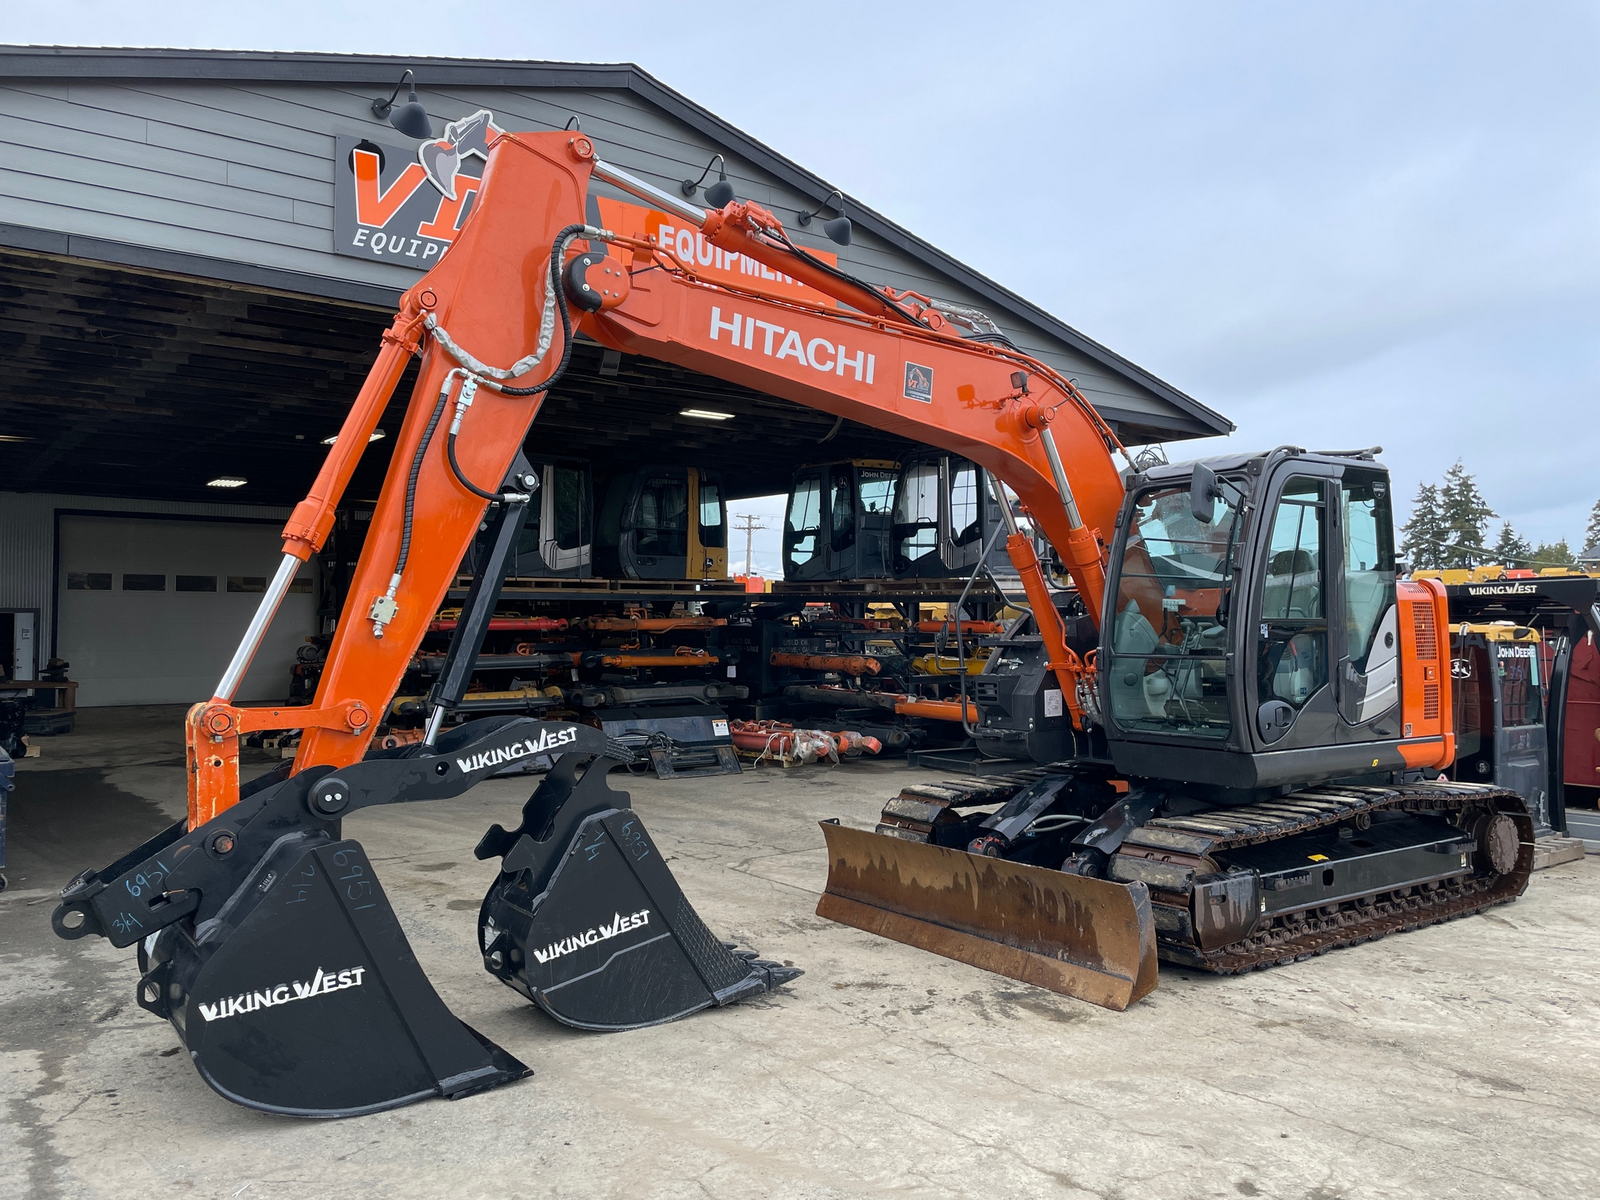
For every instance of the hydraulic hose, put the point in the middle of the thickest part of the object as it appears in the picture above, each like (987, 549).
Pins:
(558, 297)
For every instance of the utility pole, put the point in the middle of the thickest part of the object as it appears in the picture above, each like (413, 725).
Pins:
(749, 530)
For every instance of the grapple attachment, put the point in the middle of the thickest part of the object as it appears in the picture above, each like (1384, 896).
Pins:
(587, 921)
(1082, 937)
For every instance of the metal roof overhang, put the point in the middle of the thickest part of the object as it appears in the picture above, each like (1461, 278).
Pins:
(129, 382)
(1186, 418)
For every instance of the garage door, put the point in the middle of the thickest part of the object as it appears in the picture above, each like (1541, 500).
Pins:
(150, 611)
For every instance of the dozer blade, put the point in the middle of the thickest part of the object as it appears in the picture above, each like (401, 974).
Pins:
(587, 921)
(1086, 938)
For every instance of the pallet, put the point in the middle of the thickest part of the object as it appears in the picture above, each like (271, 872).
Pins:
(515, 588)
(929, 590)
(756, 758)
(1552, 850)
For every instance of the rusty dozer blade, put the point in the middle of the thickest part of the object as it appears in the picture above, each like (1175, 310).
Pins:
(1086, 938)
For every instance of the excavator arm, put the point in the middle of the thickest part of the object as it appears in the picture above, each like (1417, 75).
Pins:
(492, 326)
(263, 934)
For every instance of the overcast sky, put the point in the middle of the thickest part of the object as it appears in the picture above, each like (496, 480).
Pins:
(1339, 223)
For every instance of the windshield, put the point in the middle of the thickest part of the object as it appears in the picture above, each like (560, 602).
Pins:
(1173, 594)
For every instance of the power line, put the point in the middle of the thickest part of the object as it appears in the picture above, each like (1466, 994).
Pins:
(749, 530)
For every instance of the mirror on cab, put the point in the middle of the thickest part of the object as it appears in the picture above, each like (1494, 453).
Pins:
(1203, 493)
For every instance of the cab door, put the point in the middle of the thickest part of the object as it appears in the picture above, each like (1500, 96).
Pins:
(1289, 631)
(564, 524)
(918, 519)
(655, 531)
(1367, 656)
(1519, 734)
(803, 544)
(708, 528)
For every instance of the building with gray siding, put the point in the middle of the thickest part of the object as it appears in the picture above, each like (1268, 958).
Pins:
(180, 306)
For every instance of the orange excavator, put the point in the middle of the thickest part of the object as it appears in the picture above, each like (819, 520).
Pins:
(1238, 715)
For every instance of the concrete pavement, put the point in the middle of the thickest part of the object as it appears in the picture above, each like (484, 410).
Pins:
(1457, 1061)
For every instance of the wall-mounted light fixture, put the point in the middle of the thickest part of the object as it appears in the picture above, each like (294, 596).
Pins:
(838, 229)
(719, 193)
(409, 118)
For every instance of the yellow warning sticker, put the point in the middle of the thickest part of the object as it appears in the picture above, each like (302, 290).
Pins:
(1319, 858)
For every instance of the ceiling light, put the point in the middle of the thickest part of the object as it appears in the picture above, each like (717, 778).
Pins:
(14, 437)
(227, 481)
(377, 435)
(705, 414)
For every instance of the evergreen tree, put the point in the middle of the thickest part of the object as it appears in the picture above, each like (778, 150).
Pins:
(1463, 519)
(1553, 554)
(1420, 537)
(1511, 549)
(1591, 533)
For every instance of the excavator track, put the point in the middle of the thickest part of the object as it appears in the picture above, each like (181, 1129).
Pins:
(1179, 855)
(918, 812)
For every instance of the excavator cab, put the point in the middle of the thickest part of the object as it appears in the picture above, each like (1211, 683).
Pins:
(663, 522)
(1500, 694)
(943, 515)
(556, 539)
(838, 521)
(1256, 634)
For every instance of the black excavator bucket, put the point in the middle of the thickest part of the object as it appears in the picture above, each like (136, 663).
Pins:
(587, 921)
(266, 939)
(302, 996)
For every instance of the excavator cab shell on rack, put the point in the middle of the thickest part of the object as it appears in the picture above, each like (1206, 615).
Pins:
(942, 517)
(837, 522)
(662, 522)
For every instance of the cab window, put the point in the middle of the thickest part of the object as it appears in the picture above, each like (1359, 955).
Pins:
(804, 520)
(1168, 665)
(1369, 568)
(841, 509)
(916, 512)
(964, 504)
(1292, 650)
(713, 531)
(877, 489)
(664, 516)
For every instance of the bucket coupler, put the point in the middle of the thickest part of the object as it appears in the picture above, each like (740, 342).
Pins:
(267, 941)
(587, 921)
